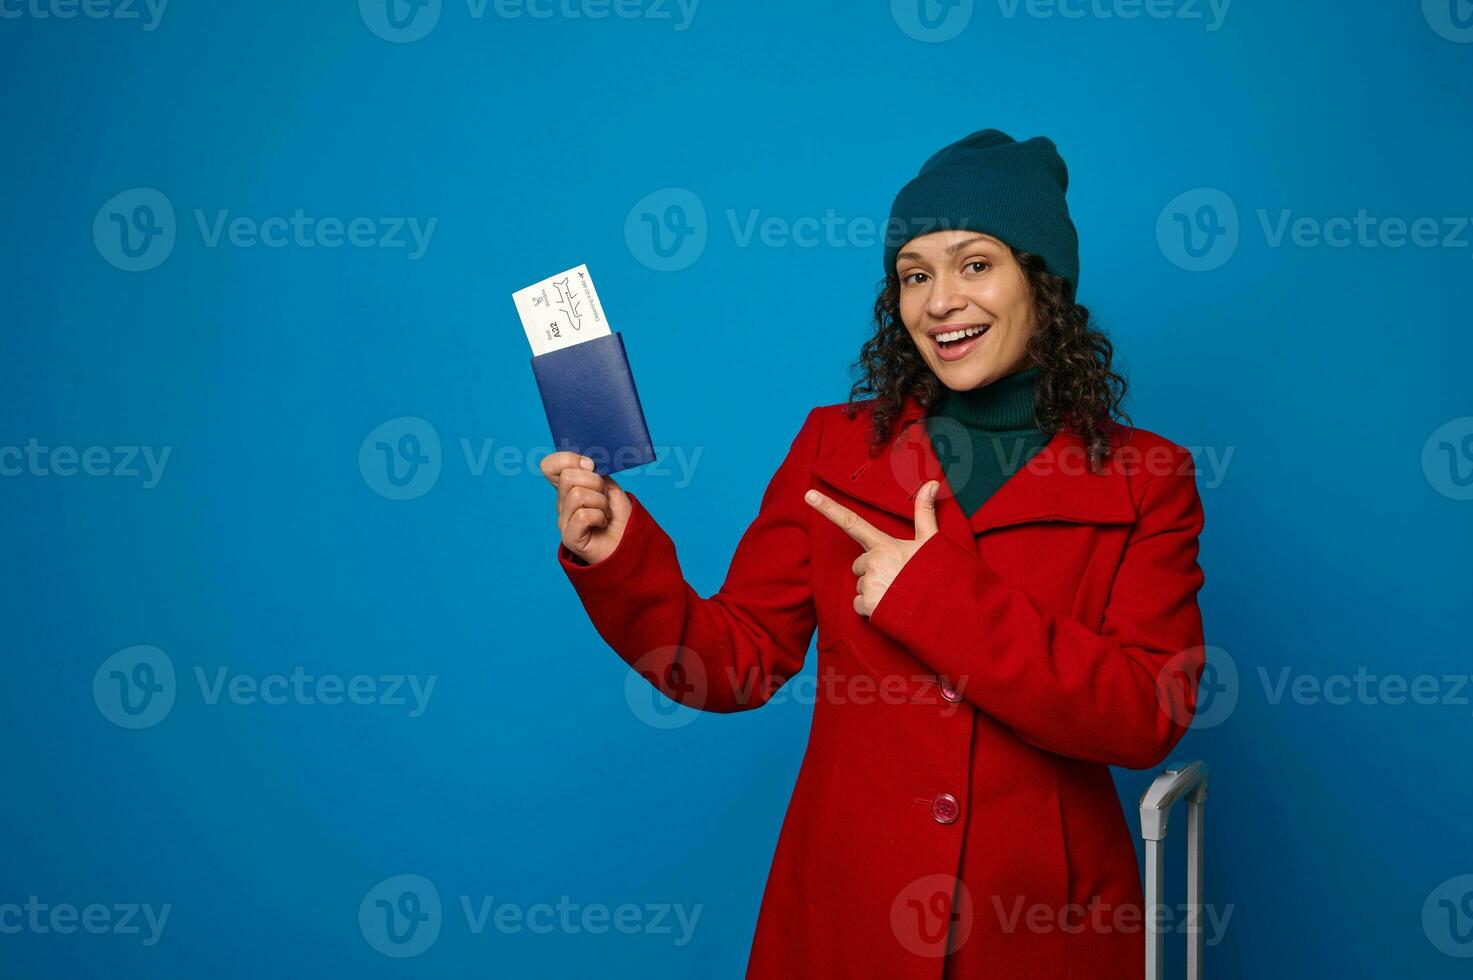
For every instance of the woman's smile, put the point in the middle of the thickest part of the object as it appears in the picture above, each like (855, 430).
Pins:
(954, 341)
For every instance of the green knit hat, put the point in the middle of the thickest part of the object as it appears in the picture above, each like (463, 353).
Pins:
(989, 182)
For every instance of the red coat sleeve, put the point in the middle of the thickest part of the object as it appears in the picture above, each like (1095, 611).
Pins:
(1122, 696)
(733, 650)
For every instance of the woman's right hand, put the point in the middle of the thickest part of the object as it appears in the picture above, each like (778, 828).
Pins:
(592, 510)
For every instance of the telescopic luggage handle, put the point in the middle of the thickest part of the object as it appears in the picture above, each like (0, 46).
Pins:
(1179, 779)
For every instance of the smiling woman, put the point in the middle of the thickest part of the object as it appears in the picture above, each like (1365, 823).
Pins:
(1013, 570)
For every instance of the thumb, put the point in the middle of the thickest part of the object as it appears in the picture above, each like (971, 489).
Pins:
(615, 492)
(926, 510)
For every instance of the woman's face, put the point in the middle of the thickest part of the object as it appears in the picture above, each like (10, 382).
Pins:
(965, 280)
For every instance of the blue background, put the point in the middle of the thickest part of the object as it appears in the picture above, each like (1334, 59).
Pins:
(1324, 371)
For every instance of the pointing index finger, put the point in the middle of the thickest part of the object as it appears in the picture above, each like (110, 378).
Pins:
(849, 522)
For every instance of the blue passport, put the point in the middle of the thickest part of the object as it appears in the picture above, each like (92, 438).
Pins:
(592, 405)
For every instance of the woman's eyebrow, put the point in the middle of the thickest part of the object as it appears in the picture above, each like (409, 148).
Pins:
(951, 250)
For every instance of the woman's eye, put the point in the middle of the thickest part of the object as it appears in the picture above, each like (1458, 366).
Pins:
(977, 262)
(910, 276)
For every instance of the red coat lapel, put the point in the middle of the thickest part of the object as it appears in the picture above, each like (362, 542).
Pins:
(1055, 485)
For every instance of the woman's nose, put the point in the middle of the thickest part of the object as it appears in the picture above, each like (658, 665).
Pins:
(945, 298)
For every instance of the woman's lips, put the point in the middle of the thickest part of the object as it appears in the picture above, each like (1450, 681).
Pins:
(959, 350)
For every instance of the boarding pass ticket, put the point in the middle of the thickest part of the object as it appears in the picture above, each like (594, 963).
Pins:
(561, 311)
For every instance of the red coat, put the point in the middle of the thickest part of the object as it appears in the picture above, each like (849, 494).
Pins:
(964, 730)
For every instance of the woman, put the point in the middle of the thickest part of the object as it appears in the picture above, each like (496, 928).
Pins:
(1004, 583)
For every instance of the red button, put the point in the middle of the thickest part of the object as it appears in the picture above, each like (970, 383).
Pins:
(945, 809)
(948, 692)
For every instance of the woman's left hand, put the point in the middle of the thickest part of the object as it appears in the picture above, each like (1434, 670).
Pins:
(883, 556)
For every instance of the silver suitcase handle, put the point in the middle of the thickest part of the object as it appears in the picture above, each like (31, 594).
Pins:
(1179, 779)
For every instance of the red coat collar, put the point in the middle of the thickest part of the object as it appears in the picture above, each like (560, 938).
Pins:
(1055, 485)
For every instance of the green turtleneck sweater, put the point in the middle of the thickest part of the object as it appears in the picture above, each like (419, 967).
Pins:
(985, 435)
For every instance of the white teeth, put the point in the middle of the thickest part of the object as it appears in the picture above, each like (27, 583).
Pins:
(959, 334)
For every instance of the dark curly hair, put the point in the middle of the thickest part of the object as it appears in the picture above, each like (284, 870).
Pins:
(1076, 387)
